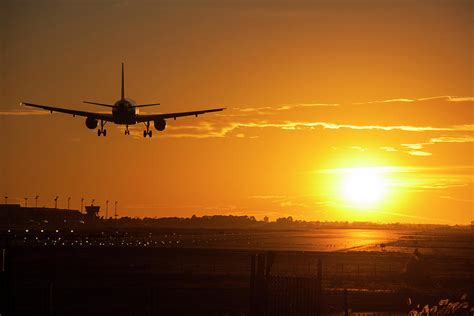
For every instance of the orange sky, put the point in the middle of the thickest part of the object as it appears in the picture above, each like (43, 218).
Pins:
(310, 86)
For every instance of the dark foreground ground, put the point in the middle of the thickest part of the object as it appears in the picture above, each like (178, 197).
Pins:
(118, 280)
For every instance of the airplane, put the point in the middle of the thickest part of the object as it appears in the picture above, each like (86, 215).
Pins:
(124, 112)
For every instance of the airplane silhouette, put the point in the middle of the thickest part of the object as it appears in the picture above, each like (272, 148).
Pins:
(124, 112)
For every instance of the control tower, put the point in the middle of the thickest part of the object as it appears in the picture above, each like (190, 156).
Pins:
(92, 212)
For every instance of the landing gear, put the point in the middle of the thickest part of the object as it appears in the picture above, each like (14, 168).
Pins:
(147, 132)
(102, 130)
(127, 132)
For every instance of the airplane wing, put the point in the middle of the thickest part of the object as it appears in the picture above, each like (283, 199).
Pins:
(100, 116)
(151, 117)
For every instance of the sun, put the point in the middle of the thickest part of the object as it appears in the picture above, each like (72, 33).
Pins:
(362, 187)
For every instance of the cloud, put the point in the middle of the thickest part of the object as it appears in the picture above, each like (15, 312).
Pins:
(415, 148)
(448, 98)
(385, 101)
(286, 107)
(447, 197)
(221, 129)
(451, 139)
(266, 197)
(405, 100)
(419, 153)
(358, 148)
(236, 119)
(23, 113)
(389, 149)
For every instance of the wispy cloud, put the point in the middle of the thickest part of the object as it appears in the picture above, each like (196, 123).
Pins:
(219, 129)
(452, 139)
(23, 113)
(419, 153)
(415, 148)
(448, 98)
(447, 197)
(285, 107)
(389, 149)
(237, 122)
(405, 100)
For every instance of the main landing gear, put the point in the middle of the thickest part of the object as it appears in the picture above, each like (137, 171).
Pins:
(102, 130)
(147, 132)
(127, 132)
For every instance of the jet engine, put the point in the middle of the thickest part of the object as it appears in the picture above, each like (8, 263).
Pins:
(91, 122)
(160, 125)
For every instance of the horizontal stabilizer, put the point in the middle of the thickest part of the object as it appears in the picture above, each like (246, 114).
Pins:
(143, 105)
(101, 104)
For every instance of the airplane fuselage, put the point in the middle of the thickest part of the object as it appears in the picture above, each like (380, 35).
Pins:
(124, 112)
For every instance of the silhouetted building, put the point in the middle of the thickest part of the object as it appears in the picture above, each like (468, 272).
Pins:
(15, 214)
(92, 213)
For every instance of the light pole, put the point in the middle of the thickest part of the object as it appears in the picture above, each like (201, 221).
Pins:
(115, 215)
(68, 199)
(36, 201)
(26, 202)
(56, 202)
(106, 209)
(82, 204)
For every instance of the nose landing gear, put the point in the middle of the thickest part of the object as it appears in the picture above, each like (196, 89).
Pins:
(147, 132)
(102, 130)
(127, 132)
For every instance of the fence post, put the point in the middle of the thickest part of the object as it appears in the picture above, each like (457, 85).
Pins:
(319, 287)
(260, 286)
(346, 306)
(252, 285)
(4, 286)
(50, 298)
(6, 279)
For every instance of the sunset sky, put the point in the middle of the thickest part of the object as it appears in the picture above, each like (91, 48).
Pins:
(320, 97)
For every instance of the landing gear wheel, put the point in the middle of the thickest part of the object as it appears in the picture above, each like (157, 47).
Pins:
(99, 132)
(144, 133)
(149, 134)
(104, 132)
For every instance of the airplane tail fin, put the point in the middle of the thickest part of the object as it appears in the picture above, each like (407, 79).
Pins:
(123, 84)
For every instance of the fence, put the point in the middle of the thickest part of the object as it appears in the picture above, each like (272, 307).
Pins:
(282, 294)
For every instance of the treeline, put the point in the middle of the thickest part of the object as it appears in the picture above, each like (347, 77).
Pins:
(244, 221)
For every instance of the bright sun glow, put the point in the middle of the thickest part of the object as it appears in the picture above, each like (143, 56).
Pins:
(363, 187)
